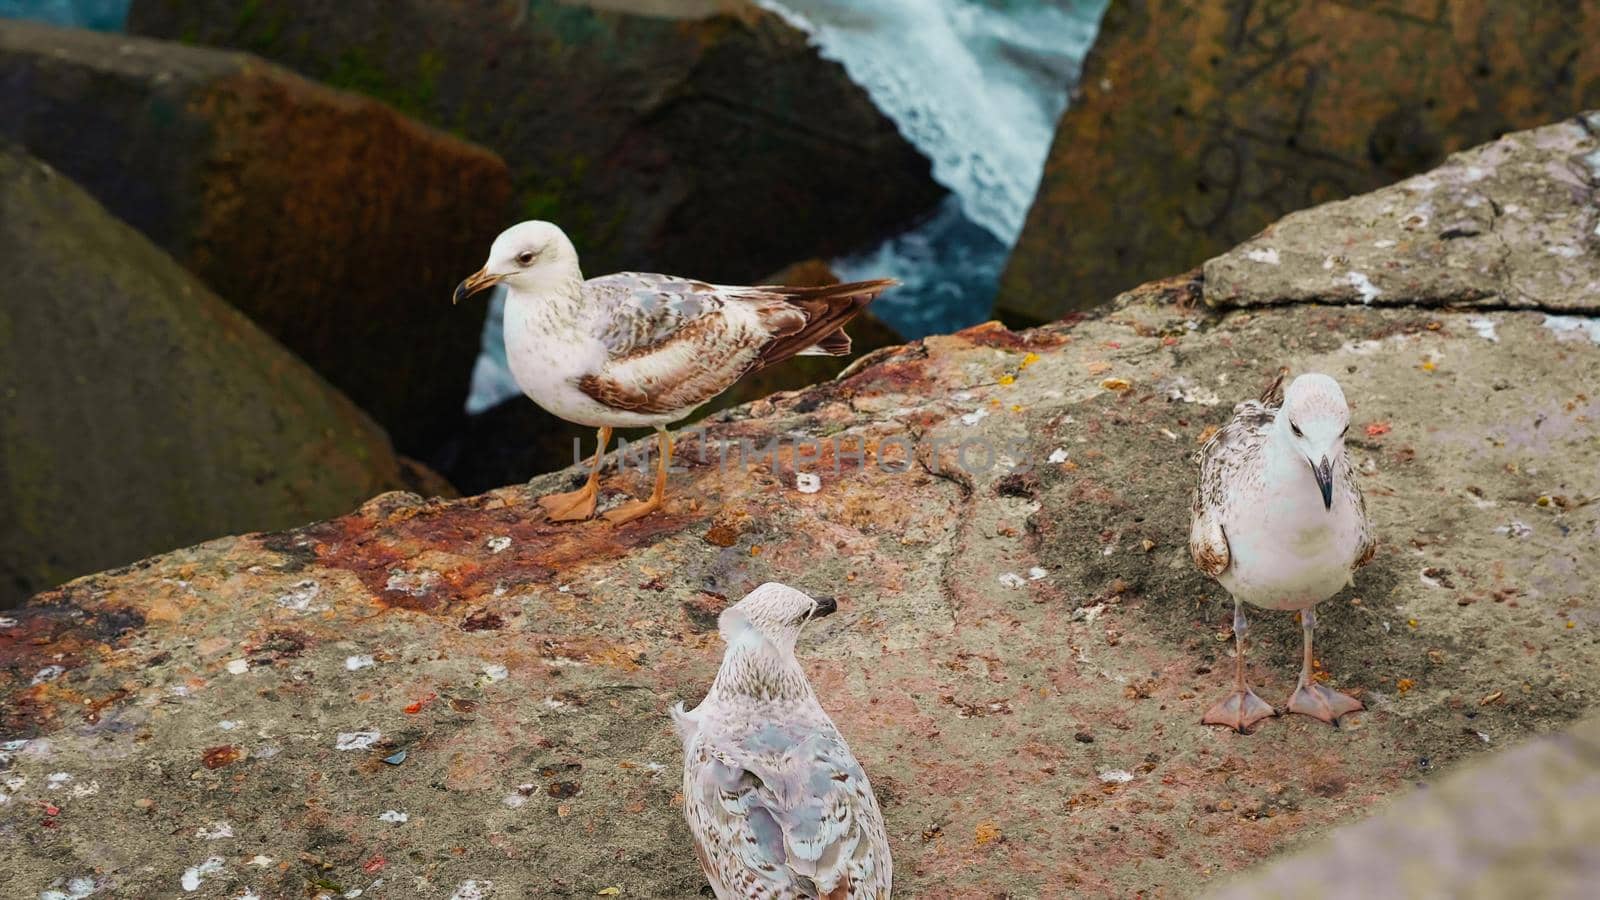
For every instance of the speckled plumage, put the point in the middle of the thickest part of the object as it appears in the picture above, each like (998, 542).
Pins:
(1248, 493)
(1279, 521)
(778, 806)
(638, 348)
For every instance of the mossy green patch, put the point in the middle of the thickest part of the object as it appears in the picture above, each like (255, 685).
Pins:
(557, 195)
(358, 70)
(567, 25)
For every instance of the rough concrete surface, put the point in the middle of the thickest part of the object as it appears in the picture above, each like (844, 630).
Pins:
(1515, 223)
(437, 697)
(1522, 823)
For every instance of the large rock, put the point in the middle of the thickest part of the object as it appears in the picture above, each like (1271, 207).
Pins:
(336, 224)
(1021, 659)
(1197, 124)
(705, 138)
(1515, 223)
(140, 413)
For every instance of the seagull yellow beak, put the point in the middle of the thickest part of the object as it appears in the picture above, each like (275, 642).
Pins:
(477, 281)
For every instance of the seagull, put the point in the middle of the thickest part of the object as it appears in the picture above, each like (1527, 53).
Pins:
(636, 349)
(1280, 522)
(778, 806)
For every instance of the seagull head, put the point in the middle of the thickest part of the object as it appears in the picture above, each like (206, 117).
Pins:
(526, 256)
(772, 612)
(1314, 419)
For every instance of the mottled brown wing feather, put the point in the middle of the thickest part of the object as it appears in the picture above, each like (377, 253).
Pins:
(1368, 551)
(835, 344)
(1208, 543)
(706, 356)
(826, 309)
(696, 359)
(615, 394)
(1227, 452)
(1369, 541)
(1273, 395)
(842, 892)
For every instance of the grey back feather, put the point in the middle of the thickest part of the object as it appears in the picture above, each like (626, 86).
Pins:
(639, 310)
(782, 809)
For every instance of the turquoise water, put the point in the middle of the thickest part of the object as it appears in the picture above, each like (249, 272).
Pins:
(101, 15)
(977, 86)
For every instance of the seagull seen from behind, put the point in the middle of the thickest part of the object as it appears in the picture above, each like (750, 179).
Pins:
(778, 807)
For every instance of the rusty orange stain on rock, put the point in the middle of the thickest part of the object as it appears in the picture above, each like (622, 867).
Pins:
(219, 756)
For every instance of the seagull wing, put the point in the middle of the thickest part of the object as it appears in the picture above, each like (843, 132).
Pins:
(674, 343)
(789, 813)
(1369, 540)
(1227, 459)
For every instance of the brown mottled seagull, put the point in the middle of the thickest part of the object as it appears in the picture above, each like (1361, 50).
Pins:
(1281, 523)
(778, 806)
(635, 349)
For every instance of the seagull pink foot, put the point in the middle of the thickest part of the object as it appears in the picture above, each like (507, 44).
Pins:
(1325, 703)
(1239, 710)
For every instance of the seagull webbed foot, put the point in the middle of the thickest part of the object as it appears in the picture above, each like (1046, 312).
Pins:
(1239, 710)
(1322, 703)
(633, 509)
(572, 506)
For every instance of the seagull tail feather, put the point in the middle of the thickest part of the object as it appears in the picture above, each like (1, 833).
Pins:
(827, 309)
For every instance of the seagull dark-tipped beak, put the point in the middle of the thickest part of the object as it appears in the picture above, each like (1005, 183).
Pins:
(826, 606)
(475, 282)
(1324, 473)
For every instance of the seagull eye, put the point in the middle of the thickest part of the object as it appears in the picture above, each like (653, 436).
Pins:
(1296, 429)
(525, 257)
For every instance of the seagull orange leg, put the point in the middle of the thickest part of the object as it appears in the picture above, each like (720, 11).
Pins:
(1242, 708)
(636, 508)
(1313, 699)
(573, 506)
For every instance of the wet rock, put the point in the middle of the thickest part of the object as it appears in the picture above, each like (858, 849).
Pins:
(1197, 124)
(334, 223)
(704, 138)
(973, 643)
(140, 413)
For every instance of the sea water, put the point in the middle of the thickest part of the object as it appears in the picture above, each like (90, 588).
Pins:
(977, 86)
(101, 15)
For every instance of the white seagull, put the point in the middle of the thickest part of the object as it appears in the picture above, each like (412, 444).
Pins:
(1280, 522)
(635, 349)
(778, 806)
